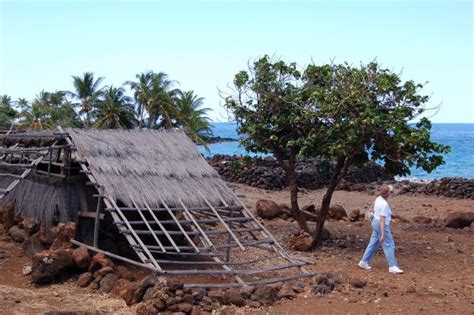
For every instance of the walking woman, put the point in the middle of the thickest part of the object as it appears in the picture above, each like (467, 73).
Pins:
(381, 234)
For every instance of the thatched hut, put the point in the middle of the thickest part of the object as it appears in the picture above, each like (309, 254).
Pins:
(151, 189)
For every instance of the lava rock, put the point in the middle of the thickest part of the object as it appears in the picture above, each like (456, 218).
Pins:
(265, 294)
(234, 297)
(357, 283)
(337, 212)
(17, 234)
(85, 279)
(47, 235)
(354, 215)
(185, 307)
(302, 242)
(198, 293)
(31, 226)
(81, 257)
(459, 220)
(100, 261)
(107, 283)
(159, 304)
(47, 264)
(286, 291)
(321, 289)
(143, 285)
(174, 285)
(267, 209)
(246, 291)
(66, 232)
(125, 289)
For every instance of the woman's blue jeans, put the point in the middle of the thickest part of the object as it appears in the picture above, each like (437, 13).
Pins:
(374, 244)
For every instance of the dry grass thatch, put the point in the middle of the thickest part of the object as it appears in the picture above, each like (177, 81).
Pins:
(148, 165)
(46, 202)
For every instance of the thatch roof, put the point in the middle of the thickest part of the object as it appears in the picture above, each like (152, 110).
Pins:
(148, 165)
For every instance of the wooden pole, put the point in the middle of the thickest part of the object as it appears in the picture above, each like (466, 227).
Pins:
(148, 225)
(225, 224)
(190, 241)
(97, 222)
(175, 246)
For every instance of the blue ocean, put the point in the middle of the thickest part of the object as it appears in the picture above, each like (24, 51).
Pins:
(459, 163)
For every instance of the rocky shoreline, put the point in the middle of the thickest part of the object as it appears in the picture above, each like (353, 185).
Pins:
(219, 139)
(313, 174)
(265, 172)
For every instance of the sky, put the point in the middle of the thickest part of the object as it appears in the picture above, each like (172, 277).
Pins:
(203, 44)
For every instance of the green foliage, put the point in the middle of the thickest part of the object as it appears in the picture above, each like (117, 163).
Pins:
(115, 110)
(364, 109)
(343, 114)
(269, 108)
(47, 111)
(154, 95)
(334, 111)
(192, 116)
(87, 90)
(155, 104)
(7, 112)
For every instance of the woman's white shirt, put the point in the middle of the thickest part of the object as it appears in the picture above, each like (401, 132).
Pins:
(382, 208)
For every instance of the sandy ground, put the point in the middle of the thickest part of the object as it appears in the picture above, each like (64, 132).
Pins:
(438, 264)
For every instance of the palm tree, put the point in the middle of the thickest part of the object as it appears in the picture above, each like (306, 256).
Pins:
(7, 112)
(33, 115)
(87, 91)
(193, 117)
(22, 103)
(153, 93)
(141, 92)
(46, 111)
(115, 111)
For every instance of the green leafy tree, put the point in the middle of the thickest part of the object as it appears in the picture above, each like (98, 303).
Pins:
(269, 110)
(87, 90)
(193, 117)
(7, 112)
(115, 111)
(346, 115)
(366, 113)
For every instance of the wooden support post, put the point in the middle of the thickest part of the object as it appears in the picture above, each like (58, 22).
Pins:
(97, 222)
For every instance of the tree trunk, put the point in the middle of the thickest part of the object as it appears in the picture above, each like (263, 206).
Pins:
(326, 202)
(291, 175)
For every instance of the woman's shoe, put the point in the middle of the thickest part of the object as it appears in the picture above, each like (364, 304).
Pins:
(364, 265)
(395, 269)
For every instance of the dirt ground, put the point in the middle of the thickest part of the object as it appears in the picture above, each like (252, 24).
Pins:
(438, 264)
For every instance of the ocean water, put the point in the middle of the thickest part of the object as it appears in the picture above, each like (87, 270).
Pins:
(459, 163)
